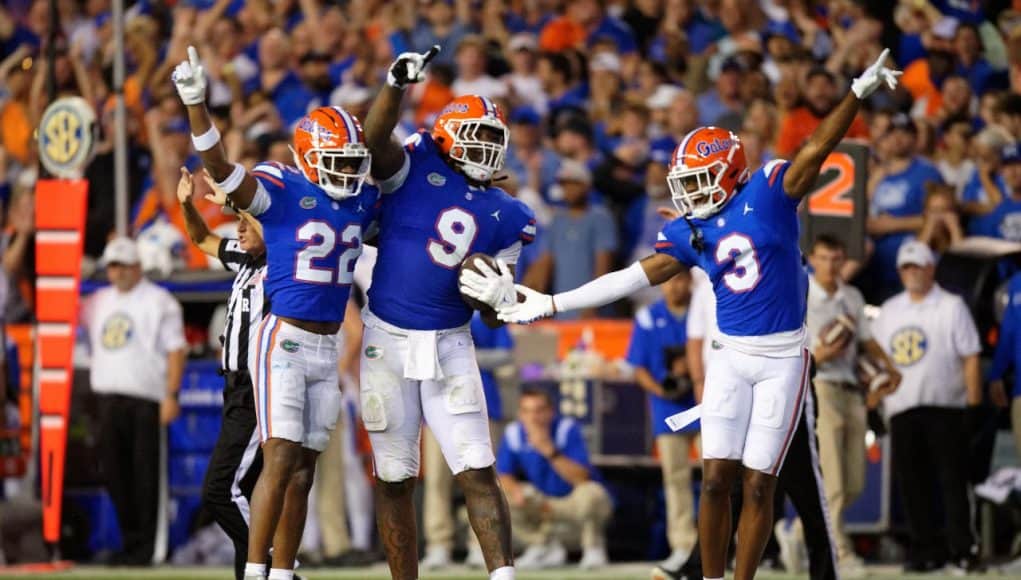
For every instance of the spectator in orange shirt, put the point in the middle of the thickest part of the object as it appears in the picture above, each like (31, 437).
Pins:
(818, 99)
(15, 127)
(924, 77)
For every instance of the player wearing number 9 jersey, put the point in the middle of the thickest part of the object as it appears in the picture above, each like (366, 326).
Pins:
(314, 217)
(741, 227)
(418, 360)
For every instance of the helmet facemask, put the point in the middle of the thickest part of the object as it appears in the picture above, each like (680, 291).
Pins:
(479, 158)
(341, 171)
(696, 191)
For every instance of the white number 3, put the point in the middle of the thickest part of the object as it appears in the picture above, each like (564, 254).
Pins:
(745, 274)
(456, 229)
(350, 237)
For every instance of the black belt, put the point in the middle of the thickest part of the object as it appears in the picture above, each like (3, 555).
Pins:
(238, 374)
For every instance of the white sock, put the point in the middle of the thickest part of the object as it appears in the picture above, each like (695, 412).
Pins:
(255, 570)
(504, 573)
(704, 578)
(280, 574)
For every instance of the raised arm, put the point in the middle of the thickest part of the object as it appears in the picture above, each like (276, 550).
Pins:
(387, 153)
(198, 231)
(190, 79)
(804, 170)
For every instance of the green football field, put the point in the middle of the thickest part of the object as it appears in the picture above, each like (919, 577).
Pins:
(616, 572)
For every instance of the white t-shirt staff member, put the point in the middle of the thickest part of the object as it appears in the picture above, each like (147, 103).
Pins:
(136, 333)
(138, 354)
(931, 337)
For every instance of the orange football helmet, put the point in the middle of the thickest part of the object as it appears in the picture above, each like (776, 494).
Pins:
(706, 170)
(471, 131)
(330, 150)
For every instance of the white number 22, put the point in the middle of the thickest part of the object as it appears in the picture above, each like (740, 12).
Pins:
(350, 237)
(745, 274)
(456, 229)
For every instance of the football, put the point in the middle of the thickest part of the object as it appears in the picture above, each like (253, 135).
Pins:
(871, 374)
(469, 263)
(840, 330)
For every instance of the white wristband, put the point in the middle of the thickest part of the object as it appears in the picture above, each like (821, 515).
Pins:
(207, 140)
(233, 180)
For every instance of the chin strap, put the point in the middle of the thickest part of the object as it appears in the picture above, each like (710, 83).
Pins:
(697, 240)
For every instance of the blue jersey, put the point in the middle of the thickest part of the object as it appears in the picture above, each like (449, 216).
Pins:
(750, 252)
(431, 220)
(312, 243)
(899, 195)
(655, 331)
(1008, 346)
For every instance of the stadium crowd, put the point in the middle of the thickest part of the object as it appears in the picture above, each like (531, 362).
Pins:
(597, 94)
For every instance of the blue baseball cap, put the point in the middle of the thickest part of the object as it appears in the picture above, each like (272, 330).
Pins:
(661, 150)
(176, 125)
(1011, 153)
(525, 115)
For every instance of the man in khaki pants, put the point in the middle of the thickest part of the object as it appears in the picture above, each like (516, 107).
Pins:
(544, 469)
(842, 414)
(657, 353)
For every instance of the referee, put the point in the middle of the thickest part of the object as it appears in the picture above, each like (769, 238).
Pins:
(236, 460)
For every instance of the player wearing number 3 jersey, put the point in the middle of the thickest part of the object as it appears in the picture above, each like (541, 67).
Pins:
(314, 218)
(418, 360)
(741, 227)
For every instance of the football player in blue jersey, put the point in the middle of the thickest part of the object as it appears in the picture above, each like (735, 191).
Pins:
(315, 217)
(742, 229)
(418, 362)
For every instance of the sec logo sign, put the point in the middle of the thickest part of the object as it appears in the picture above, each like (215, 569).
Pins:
(66, 137)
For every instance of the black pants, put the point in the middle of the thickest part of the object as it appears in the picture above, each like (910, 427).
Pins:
(132, 460)
(801, 479)
(234, 465)
(930, 462)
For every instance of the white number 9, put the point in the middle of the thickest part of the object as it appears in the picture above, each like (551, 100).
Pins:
(456, 229)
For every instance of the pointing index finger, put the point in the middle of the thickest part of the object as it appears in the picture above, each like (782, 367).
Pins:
(193, 57)
(430, 54)
(883, 56)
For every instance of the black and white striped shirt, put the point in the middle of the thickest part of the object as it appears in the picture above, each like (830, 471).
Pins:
(247, 304)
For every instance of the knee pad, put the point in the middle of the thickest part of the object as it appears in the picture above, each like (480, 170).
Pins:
(382, 404)
(474, 450)
(394, 469)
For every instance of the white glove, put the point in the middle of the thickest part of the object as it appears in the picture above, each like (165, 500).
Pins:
(492, 287)
(536, 306)
(409, 68)
(190, 79)
(874, 77)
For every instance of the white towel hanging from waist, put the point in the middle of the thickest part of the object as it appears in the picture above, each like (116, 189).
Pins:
(423, 361)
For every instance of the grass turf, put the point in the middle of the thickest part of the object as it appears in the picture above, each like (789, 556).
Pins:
(616, 572)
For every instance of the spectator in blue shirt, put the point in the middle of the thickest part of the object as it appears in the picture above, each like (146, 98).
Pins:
(492, 350)
(657, 353)
(725, 97)
(581, 240)
(1003, 220)
(970, 63)
(1008, 355)
(897, 201)
(438, 22)
(544, 469)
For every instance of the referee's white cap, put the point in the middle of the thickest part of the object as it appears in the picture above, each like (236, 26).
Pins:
(916, 253)
(120, 250)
